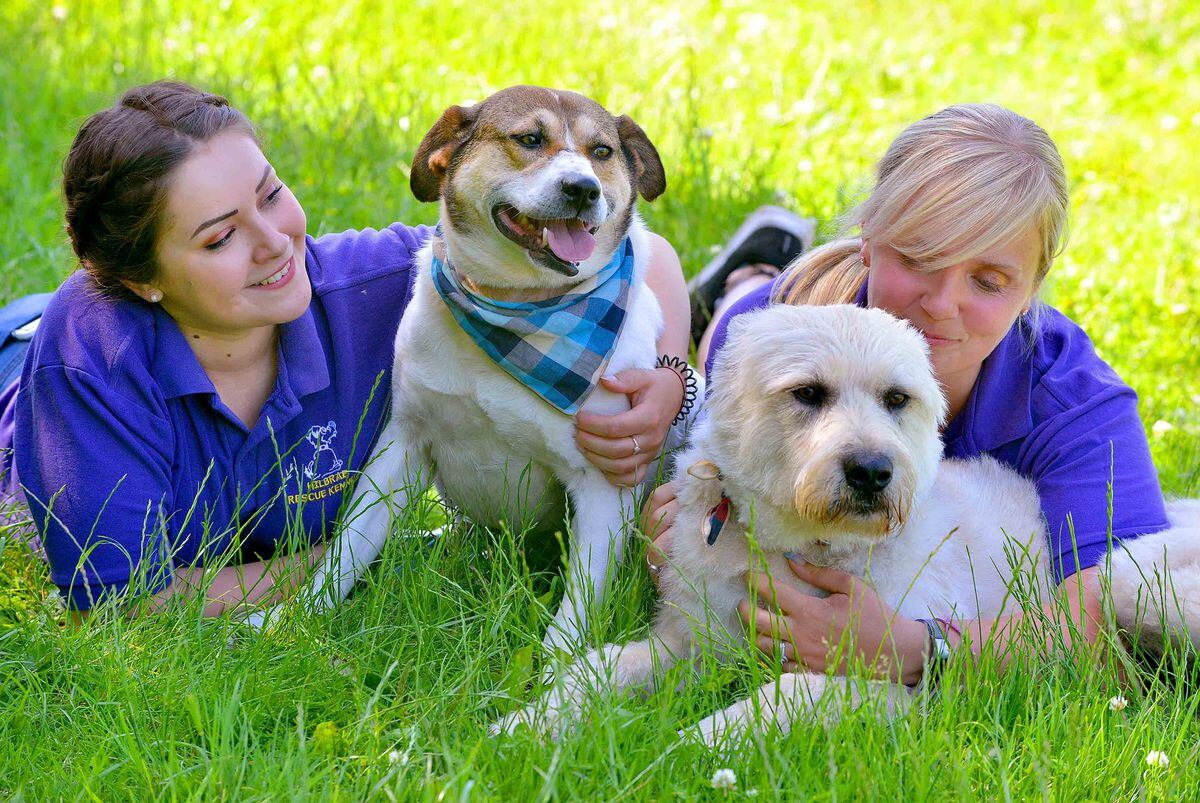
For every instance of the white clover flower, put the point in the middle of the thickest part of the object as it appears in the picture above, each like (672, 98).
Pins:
(59, 13)
(1118, 703)
(395, 756)
(1157, 758)
(1161, 428)
(724, 779)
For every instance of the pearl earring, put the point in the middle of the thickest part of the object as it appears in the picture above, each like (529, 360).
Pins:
(155, 296)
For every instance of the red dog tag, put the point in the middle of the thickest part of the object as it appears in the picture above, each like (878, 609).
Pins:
(715, 521)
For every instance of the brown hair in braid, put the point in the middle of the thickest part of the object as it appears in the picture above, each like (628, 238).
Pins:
(116, 174)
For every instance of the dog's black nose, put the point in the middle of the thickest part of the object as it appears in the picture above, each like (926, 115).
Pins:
(580, 189)
(868, 474)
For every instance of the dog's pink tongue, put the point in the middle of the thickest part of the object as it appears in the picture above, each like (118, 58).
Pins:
(570, 240)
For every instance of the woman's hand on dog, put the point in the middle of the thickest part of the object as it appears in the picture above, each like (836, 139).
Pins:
(813, 633)
(658, 516)
(608, 441)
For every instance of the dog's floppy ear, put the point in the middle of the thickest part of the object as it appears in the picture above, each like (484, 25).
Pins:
(433, 155)
(647, 167)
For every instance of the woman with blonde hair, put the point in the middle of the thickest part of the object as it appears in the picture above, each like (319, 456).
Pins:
(968, 212)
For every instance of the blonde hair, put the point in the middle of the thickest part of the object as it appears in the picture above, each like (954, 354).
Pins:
(952, 186)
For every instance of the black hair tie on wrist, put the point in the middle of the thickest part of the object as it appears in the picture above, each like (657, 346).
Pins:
(688, 377)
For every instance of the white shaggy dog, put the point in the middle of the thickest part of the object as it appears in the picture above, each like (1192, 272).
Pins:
(822, 429)
(538, 191)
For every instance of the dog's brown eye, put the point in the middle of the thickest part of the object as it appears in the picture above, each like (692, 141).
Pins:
(529, 140)
(896, 400)
(602, 151)
(812, 395)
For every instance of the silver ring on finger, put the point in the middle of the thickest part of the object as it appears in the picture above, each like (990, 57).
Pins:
(637, 447)
(655, 569)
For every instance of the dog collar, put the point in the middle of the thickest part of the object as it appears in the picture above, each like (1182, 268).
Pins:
(714, 522)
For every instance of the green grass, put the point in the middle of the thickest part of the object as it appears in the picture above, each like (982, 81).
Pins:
(748, 104)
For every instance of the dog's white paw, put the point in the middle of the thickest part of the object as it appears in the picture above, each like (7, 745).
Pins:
(542, 718)
(263, 619)
(719, 729)
(553, 714)
(508, 724)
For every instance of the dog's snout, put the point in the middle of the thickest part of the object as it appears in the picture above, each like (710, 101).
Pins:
(867, 474)
(580, 189)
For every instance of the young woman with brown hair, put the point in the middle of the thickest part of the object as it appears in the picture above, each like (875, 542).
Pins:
(199, 397)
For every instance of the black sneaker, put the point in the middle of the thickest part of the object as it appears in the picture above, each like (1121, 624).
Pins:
(771, 235)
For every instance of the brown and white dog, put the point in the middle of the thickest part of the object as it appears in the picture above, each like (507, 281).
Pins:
(538, 188)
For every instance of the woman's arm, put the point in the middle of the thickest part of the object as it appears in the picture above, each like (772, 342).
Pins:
(664, 277)
(608, 441)
(894, 646)
(233, 588)
(1075, 617)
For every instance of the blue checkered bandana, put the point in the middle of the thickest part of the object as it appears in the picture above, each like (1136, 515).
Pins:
(559, 347)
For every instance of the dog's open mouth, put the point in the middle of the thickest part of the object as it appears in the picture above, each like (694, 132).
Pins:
(562, 244)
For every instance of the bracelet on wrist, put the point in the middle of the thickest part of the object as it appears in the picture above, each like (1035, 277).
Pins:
(686, 376)
(939, 652)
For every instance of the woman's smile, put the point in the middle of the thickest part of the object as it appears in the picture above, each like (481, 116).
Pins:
(934, 339)
(279, 278)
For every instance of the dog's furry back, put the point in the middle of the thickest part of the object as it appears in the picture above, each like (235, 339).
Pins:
(1155, 581)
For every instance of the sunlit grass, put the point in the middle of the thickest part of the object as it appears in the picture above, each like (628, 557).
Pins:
(749, 103)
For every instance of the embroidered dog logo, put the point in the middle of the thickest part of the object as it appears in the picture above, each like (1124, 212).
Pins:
(325, 475)
(321, 437)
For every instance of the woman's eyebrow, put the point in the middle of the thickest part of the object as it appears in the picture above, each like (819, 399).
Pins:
(263, 180)
(217, 219)
(266, 172)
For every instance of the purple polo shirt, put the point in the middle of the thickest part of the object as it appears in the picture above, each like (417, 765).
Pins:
(131, 463)
(1059, 415)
